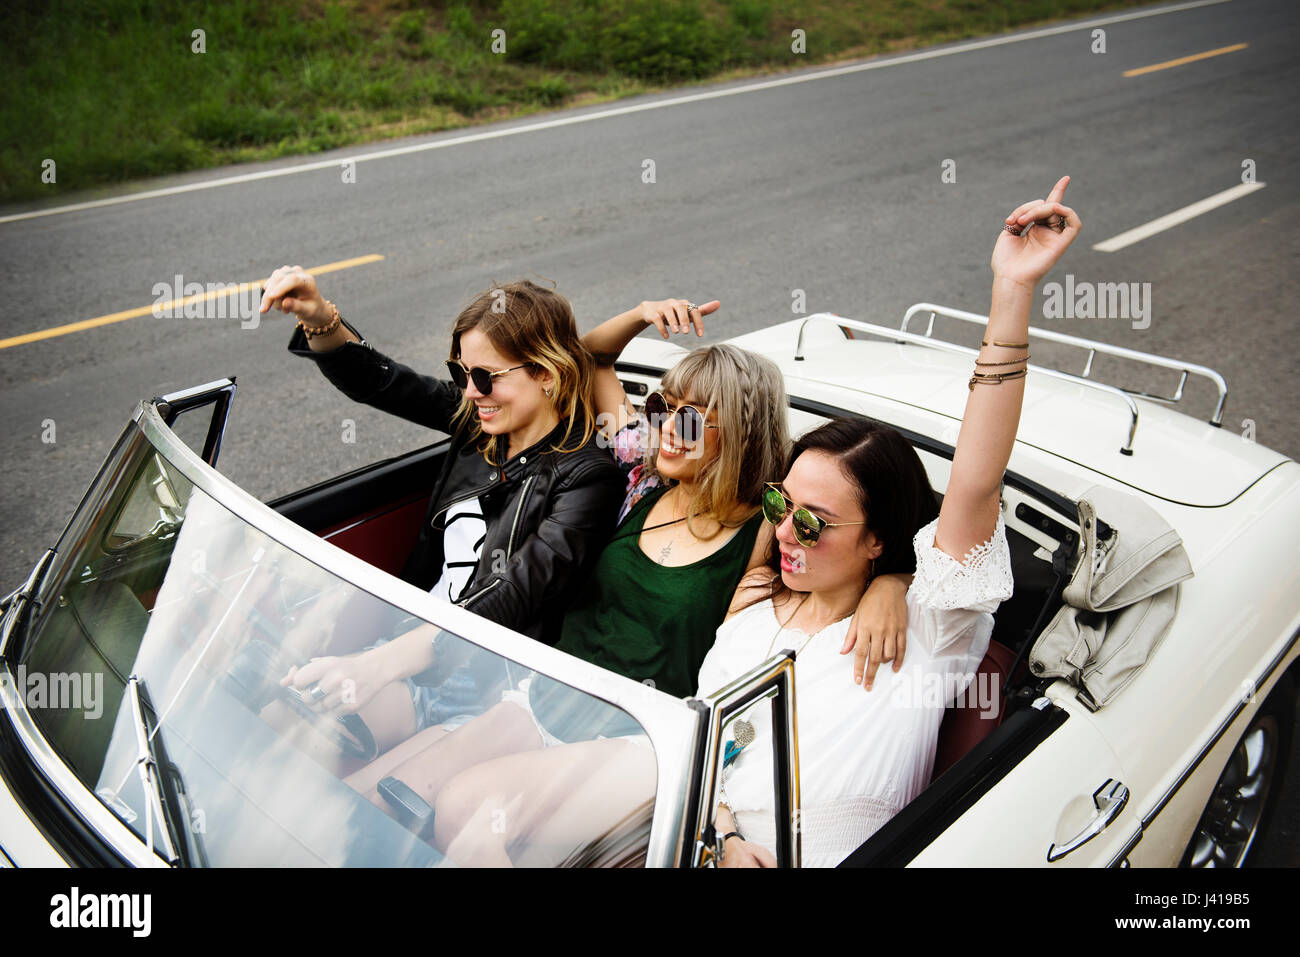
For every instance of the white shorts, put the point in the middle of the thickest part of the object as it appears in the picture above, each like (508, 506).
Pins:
(519, 696)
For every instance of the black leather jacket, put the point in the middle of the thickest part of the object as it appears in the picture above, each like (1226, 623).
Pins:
(548, 513)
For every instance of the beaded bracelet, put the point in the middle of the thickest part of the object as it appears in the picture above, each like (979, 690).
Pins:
(313, 332)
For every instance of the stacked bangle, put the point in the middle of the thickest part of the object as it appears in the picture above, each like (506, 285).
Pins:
(313, 332)
(996, 378)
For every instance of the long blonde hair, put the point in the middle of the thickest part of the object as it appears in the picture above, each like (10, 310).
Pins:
(528, 323)
(748, 392)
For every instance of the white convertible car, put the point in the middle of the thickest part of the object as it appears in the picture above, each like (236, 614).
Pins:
(138, 662)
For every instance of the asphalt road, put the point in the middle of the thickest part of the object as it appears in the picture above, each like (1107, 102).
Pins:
(833, 186)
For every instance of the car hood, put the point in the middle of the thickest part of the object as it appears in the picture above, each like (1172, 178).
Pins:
(1175, 457)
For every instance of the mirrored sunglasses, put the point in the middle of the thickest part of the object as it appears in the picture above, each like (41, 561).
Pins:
(807, 526)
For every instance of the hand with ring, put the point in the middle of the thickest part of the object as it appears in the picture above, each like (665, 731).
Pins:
(677, 315)
(333, 684)
(1024, 255)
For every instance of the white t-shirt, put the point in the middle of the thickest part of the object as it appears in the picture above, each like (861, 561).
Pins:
(863, 755)
(465, 532)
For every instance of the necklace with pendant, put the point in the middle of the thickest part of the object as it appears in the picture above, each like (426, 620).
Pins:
(742, 731)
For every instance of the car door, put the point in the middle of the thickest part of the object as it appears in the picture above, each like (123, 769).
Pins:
(1044, 790)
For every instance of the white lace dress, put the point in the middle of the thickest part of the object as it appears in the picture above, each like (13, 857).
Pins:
(863, 755)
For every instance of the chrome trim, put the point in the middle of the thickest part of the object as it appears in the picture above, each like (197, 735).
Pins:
(1094, 346)
(670, 722)
(216, 385)
(103, 822)
(1121, 859)
(1218, 735)
(108, 476)
(747, 689)
(1109, 799)
(903, 336)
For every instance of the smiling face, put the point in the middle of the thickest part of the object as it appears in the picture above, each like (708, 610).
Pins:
(678, 460)
(842, 555)
(517, 402)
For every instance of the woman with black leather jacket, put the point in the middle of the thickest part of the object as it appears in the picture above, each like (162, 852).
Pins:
(527, 495)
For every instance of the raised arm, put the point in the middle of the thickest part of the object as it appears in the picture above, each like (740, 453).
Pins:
(969, 513)
(608, 340)
(355, 368)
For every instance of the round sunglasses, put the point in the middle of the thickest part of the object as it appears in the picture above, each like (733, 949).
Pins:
(688, 421)
(807, 526)
(460, 374)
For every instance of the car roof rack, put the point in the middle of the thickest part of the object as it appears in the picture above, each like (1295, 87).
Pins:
(1082, 378)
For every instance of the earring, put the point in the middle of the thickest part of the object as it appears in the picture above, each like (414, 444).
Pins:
(547, 392)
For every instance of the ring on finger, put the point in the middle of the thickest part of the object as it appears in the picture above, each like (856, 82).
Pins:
(317, 693)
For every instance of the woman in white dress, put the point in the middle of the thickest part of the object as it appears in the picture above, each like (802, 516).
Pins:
(848, 509)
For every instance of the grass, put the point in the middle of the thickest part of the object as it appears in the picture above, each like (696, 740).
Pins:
(114, 90)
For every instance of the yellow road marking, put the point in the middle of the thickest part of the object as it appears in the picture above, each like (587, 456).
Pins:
(171, 304)
(1186, 59)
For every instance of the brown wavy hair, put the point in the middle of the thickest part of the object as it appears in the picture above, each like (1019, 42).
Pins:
(528, 323)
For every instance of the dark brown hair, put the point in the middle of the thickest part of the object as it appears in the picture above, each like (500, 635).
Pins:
(892, 489)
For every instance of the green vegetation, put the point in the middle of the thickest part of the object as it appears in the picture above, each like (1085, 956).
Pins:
(113, 89)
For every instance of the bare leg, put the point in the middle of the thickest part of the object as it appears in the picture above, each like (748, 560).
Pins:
(367, 778)
(540, 807)
(501, 730)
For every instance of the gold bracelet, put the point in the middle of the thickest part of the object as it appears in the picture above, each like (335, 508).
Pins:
(1007, 345)
(994, 378)
(1009, 362)
(314, 332)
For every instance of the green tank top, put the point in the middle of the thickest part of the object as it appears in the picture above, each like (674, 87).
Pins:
(650, 621)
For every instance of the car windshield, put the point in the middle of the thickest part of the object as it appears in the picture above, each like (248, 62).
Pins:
(209, 613)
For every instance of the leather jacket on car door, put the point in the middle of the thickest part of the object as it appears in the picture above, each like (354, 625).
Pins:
(548, 513)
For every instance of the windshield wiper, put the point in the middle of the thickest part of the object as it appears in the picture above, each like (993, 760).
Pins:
(151, 763)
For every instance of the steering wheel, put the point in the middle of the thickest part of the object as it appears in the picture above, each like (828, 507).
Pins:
(254, 678)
